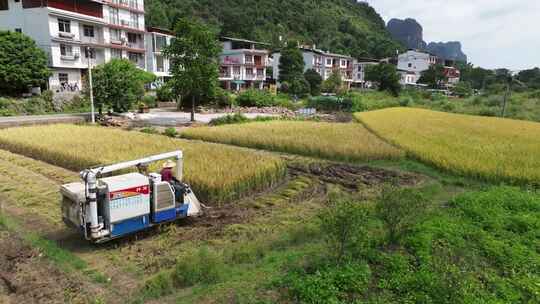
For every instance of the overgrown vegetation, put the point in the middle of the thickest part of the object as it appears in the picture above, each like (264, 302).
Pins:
(344, 26)
(471, 251)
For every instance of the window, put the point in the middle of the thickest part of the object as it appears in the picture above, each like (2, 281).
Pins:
(159, 43)
(66, 50)
(4, 5)
(410, 65)
(115, 34)
(64, 26)
(249, 59)
(116, 53)
(134, 20)
(63, 78)
(18, 30)
(113, 15)
(236, 70)
(132, 38)
(133, 57)
(328, 61)
(260, 72)
(249, 72)
(88, 31)
(90, 53)
(159, 64)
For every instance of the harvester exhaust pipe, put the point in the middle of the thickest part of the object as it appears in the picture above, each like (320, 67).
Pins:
(90, 180)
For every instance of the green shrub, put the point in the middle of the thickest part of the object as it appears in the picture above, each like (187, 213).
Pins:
(399, 209)
(229, 119)
(255, 98)
(158, 286)
(170, 132)
(222, 98)
(150, 101)
(328, 284)
(344, 225)
(164, 93)
(150, 130)
(202, 266)
(330, 103)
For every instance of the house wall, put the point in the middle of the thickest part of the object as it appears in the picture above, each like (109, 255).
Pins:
(414, 61)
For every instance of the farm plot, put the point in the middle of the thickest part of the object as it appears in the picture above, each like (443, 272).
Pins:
(217, 173)
(484, 147)
(346, 142)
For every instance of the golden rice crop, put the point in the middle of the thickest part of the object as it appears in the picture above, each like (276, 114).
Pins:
(485, 147)
(217, 173)
(348, 142)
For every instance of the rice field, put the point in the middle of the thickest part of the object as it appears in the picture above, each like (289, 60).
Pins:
(484, 147)
(217, 173)
(336, 141)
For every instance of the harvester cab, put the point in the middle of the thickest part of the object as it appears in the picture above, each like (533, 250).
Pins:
(105, 206)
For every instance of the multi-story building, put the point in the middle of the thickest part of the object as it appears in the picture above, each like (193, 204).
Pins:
(156, 62)
(416, 61)
(77, 34)
(324, 63)
(359, 72)
(243, 64)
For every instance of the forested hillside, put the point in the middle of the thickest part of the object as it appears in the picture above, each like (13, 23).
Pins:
(344, 26)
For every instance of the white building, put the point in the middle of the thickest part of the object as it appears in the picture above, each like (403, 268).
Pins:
(415, 61)
(243, 64)
(359, 72)
(79, 33)
(156, 40)
(324, 63)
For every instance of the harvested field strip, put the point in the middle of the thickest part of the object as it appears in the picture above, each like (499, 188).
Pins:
(337, 141)
(33, 185)
(217, 173)
(483, 147)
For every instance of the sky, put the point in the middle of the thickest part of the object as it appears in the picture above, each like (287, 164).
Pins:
(493, 33)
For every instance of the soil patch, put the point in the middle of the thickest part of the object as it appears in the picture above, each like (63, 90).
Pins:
(354, 177)
(26, 278)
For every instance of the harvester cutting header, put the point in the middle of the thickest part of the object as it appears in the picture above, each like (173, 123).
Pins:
(103, 207)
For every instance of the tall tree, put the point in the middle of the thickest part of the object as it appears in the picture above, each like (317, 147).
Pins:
(434, 77)
(386, 77)
(194, 55)
(22, 63)
(119, 84)
(315, 81)
(291, 63)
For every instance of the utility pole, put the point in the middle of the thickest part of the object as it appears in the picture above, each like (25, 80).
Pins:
(506, 95)
(88, 56)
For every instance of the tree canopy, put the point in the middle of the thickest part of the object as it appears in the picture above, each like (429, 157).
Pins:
(315, 81)
(194, 55)
(386, 77)
(344, 26)
(119, 84)
(333, 83)
(22, 63)
(434, 76)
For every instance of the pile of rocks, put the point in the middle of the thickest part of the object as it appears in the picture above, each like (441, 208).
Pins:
(113, 121)
(265, 110)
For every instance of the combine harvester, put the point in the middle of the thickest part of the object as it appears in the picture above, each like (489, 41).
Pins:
(105, 206)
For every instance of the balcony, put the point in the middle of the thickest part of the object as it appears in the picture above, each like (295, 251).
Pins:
(132, 5)
(70, 57)
(126, 25)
